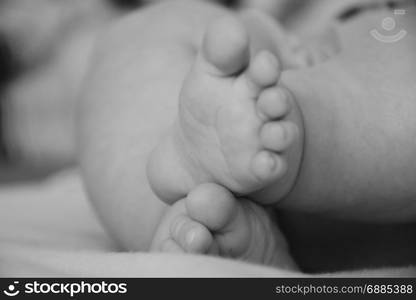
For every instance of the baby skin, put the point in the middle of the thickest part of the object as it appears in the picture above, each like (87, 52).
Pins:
(240, 128)
(236, 125)
(210, 220)
(335, 138)
(300, 138)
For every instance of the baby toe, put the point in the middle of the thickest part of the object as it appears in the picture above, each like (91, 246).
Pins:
(191, 236)
(278, 136)
(264, 69)
(226, 47)
(267, 166)
(263, 72)
(211, 205)
(274, 103)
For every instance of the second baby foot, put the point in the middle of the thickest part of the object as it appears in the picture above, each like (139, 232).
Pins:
(212, 221)
(236, 125)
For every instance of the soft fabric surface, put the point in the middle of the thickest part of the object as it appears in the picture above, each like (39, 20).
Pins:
(48, 229)
(41, 223)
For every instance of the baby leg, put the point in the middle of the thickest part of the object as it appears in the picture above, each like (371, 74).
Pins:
(129, 100)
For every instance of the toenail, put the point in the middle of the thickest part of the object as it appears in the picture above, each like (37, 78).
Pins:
(190, 236)
(177, 226)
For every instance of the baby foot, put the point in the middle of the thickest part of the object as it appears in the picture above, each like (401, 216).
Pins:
(211, 221)
(236, 125)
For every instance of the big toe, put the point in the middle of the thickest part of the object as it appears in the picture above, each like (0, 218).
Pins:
(191, 236)
(224, 215)
(211, 205)
(226, 46)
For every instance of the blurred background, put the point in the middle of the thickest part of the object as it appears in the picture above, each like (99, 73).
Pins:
(44, 51)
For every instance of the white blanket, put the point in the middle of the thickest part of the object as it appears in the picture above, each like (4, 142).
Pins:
(48, 229)
(43, 223)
